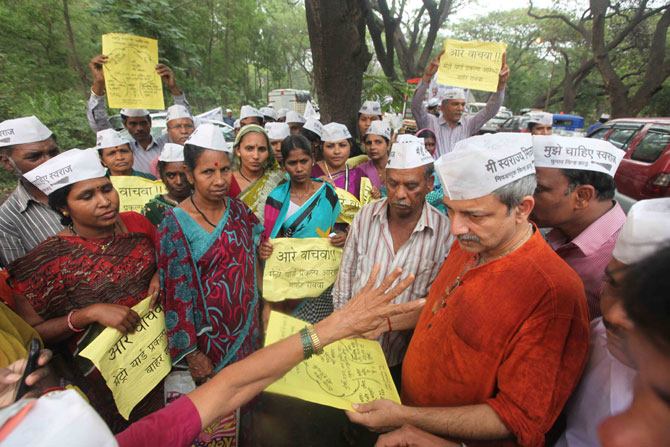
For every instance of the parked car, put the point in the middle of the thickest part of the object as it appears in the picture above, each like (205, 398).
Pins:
(644, 172)
(568, 125)
(517, 123)
(492, 125)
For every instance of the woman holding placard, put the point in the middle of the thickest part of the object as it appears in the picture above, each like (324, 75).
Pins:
(88, 276)
(304, 207)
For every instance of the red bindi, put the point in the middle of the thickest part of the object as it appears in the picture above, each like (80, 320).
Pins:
(216, 164)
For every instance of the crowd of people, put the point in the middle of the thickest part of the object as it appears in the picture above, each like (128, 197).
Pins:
(515, 302)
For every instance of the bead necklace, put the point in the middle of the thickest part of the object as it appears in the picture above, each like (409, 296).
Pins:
(201, 213)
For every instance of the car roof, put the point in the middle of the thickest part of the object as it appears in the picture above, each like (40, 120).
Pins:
(640, 120)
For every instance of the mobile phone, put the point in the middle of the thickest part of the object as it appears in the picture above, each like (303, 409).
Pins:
(31, 365)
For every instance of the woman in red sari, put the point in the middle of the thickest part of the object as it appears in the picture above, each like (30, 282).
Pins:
(88, 276)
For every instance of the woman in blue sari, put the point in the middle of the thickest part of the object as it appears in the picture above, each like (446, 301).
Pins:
(207, 267)
(302, 207)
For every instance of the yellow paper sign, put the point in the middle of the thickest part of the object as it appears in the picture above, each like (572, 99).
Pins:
(348, 372)
(366, 191)
(135, 192)
(472, 64)
(357, 160)
(132, 364)
(130, 72)
(349, 206)
(300, 268)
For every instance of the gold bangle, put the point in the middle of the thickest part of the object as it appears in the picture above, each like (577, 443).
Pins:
(318, 348)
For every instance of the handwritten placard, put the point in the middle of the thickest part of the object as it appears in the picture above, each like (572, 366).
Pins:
(300, 268)
(135, 192)
(348, 372)
(471, 64)
(349, 206)
(132, 364)
(130, 72)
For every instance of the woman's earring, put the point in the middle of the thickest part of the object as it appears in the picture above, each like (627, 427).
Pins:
(66, 214)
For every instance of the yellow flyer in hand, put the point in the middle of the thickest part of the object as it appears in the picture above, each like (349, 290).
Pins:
(473, 65)
(135, 192)
(366, 191)
(300, 268)
(130, 72)
(349, 206)
(348, 372)
(132, 364)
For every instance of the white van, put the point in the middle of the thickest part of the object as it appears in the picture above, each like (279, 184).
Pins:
(289, 98)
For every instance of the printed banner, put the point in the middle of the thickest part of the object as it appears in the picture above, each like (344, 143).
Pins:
(472, 64)
(366, 192)
(130, 72)
(132, 364)
(349, 206)
(135, 192)
(300, 268)
(348, 372)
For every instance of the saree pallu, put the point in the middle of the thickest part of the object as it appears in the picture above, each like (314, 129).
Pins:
(315, 218)
(349, 179)
(255, 195)
(68, 273)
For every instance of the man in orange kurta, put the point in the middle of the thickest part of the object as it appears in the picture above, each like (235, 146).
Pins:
(503, 337)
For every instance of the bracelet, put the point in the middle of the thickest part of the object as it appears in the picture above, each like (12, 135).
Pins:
(316, 343)
(69, 321)
(307, 346)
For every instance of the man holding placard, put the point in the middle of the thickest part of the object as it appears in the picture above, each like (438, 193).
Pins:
(452, 126)
(137, 122)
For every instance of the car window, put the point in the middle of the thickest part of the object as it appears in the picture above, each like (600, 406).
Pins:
(621, 136)
(600, 133)
(651, 146)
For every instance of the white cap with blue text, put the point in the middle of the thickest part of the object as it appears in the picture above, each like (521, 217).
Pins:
(277, 131)
(371, 108)
(65, 169)
(335, 132)
(208, 136)
(22, 131)
(172, 153)
(408, 155)
(479, 165)
(249, 111)
(109, 138)
(294, 117)
(177, 111)
(645, 231)
(453, 93)
(586, 154)
(542, 118)
(379, 128)
(134, 112)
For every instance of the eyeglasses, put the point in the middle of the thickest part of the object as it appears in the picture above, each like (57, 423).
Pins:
(182, 126)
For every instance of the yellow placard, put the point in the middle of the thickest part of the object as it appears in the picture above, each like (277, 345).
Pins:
(130, 72)
(132, 364)
(135, 192)
(300, 268)
(348, 372)
(357, 160)
(349, 206)
(472, 64)
(366, 191)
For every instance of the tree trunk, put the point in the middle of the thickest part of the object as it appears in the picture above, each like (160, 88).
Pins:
(75, 59)
(340, 57)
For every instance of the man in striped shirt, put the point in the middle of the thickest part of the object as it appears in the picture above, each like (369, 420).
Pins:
(25, 218)
(452, 126)
(400, 231)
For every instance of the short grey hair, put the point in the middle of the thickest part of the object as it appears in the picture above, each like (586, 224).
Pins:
(428, 170)
(512, 193)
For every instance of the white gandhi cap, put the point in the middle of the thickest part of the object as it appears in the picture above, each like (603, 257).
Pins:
(586, 154)
(248, 111)
(380, 128)
(177, 111)
(294, 117)
(371, 108)
(542, 118)
(208, 136)
(277, 131)
(269, 112)
(335, 132)
(22, 131)
(314, 125)
(66, 169)
(134, 112)
(408, 155)
(172, 153)
(109, 138)
(647, 229)
(480, 165)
